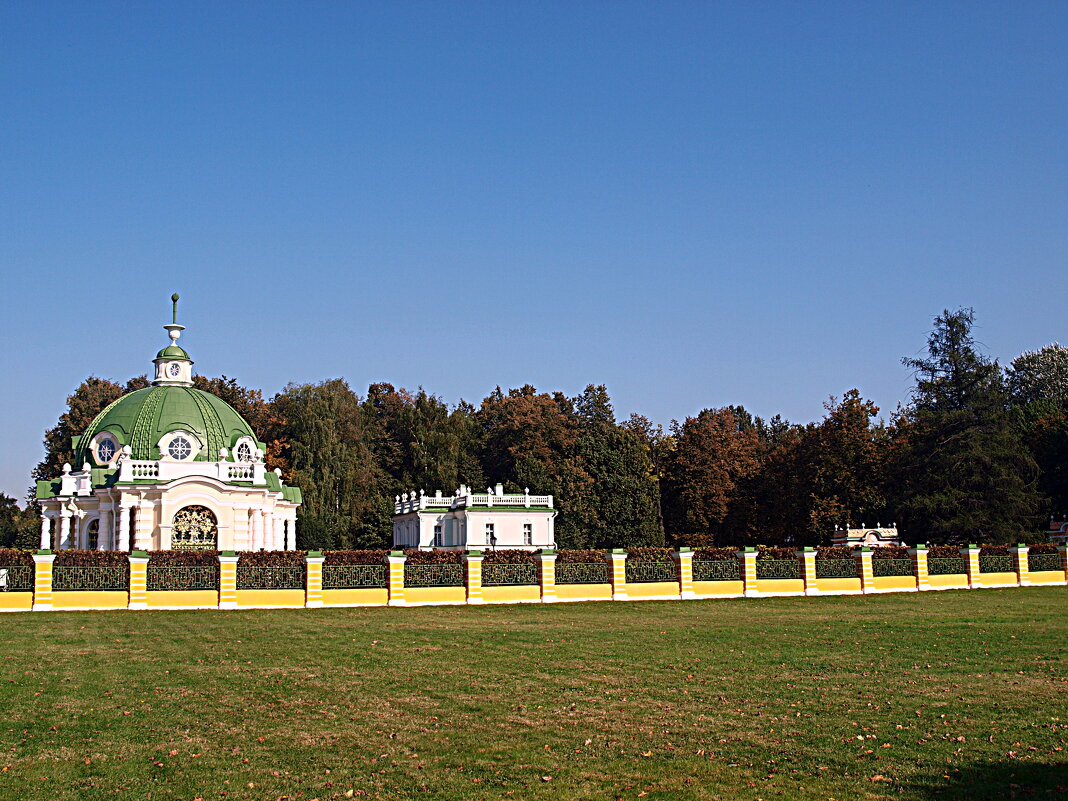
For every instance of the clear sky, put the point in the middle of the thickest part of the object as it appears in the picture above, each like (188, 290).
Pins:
(696, 204)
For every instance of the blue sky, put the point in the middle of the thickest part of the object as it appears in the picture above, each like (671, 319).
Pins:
(696, 204)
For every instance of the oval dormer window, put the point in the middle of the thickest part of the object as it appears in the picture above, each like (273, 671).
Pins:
(179, 448)
(105, 451)
(244, 452)
(175, 369)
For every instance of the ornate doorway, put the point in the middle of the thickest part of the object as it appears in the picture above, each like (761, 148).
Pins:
(194, 528)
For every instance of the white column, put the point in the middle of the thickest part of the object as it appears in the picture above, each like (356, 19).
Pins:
(46, 532)
(64, 530)
(268, 531)
(123, 540)
(278, 526)
(292, 527)
(257, 529)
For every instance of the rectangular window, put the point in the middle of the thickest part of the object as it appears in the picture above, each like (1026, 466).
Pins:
(528, 533)
(490, 536)
(437, 536)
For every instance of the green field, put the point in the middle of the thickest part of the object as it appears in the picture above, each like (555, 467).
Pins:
(939, 695)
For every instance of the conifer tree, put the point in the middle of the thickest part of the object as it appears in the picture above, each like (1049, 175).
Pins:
(965, 476)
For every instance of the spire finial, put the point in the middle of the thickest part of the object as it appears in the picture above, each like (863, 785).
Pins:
(174, 300)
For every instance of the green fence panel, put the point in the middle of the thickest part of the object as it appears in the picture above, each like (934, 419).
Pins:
(182, 577)
(649, 572)
(353, 577)
(946, 565)
(81, 578)
(891, 567)
(1038, 562)
(836, 568)
(439, 575)
(778, 569)
(270, 577)
(583, 573)
(717, 570)
(16, 578)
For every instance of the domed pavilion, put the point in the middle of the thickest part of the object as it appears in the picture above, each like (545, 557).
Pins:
(168, 467)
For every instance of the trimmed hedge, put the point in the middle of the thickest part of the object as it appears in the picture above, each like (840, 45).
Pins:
(775, 552)
(581, 555)
(834, 552)
(76, 558)
(943, 552)
(270, 558)
(1042, 547)
(994, 550)
(890, 552)
(435, 557)
(510, 557)
(715, 554)
(13, 557)
(354, 557)
(198, 558)
(650, 555)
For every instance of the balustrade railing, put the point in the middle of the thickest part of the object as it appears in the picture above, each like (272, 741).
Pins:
(143, 469)
(240, 472)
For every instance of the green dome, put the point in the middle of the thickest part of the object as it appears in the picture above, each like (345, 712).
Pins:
(141, 418)
(172, 351)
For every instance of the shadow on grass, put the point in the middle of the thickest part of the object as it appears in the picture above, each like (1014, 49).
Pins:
(1009, 779)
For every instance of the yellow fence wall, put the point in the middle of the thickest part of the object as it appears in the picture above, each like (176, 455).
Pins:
(1047, 577)
(163, 599)
(998, 579)
(781, 585)
(95, 599)
(838, 585)
(435, 595)
(711, 589)
(511, 594)
(949, 580)
(653, 589)
(895, 582)
(16, 601)
(586, 592)
(356, 597)
(247, 598)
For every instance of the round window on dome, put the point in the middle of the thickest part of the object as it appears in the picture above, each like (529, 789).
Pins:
(105, 451)
(244, 452)
(179, 448)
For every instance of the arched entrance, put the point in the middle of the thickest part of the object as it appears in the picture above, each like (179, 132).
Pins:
(92, 534)
(194, 527)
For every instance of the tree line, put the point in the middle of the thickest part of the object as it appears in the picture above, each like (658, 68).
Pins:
(978, 453)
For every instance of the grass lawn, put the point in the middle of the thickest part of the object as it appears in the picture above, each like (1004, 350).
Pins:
(936, 695)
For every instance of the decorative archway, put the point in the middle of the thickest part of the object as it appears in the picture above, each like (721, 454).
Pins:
(194, 528)
(92, 534)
